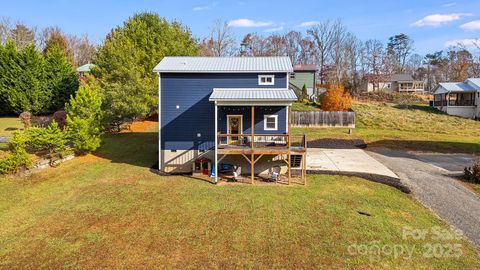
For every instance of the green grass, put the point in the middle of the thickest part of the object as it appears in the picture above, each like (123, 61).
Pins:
(8, 125)
(110, 211)
(415, 127)
(304, 107)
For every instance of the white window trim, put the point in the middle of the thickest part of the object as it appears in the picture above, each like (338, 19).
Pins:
(266, 76)
(265, 122)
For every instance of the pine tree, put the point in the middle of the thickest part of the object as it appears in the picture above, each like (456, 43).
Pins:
(84, 116)
(126, 59)
(61, 78)
(22, 84)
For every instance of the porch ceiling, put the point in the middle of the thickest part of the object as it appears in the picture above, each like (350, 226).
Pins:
(255, 95)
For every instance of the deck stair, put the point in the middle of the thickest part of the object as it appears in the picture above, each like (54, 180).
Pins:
(296, 161)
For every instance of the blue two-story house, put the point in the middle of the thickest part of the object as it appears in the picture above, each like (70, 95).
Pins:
(233, 110)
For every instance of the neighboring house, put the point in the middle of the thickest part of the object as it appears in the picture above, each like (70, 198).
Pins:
(458, 98)
(212, 107)
(84, 70)
(392, 83)
(304, 75)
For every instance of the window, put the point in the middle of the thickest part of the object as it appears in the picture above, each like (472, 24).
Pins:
(292, 75)
(270, 122)
(266, 79)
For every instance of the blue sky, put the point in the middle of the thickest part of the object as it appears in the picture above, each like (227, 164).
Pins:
(432, 24)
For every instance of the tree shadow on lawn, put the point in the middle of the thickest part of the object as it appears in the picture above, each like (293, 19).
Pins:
(429, 146)
(423, 108)
(135, 148)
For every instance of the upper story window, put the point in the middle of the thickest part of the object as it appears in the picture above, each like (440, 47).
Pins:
(266, 79)
(270, 122)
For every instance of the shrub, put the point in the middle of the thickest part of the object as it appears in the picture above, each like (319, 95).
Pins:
(50, 139)
(336, 99)
(304, 92)
(84, 117)
(14, 161)
(61, 118)
(18, 157)
(25, 118)
(472, 174)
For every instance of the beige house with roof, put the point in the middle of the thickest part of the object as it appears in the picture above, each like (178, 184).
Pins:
(403, 83)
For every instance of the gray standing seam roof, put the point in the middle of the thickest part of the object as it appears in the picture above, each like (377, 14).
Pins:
(187, 64)
(252, 94)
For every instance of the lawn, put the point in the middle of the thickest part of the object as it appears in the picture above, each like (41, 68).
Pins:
(8, 125)
(305, 107)
(109, 211)
(415, 127)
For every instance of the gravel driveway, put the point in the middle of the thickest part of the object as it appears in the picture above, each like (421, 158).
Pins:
(432, 185)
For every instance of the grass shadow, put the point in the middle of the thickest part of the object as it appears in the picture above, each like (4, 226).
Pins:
(423, 108)
(429, 146)
(332, 143)
(135, 148)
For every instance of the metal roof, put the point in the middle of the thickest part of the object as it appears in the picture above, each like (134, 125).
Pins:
(85, 68)
(454, 87)
(401, 78)
(475, 82)
(252, 94)
(224, 64)
(304, 67)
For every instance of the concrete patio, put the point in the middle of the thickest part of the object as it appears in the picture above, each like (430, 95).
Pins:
(345, 160)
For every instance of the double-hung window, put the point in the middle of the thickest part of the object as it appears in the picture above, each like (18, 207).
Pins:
(270, 122)
(266, 79)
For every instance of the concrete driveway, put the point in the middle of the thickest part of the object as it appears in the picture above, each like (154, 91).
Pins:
(429, 176)
(345, 160)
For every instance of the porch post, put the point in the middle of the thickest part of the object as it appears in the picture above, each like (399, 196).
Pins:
(216, 142)
(252, 128)
(289, 144)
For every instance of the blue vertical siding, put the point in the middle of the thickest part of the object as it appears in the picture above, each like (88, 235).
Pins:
(260, 112)
(191, 125)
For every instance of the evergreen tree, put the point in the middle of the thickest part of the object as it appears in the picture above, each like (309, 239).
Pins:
(22, 84)
(61, 78)
(128, 56)
(84, 116)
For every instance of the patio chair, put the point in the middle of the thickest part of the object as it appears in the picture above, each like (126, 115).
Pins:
(237, 173)
(274, 173)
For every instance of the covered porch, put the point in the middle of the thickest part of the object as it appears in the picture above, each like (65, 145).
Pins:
(252, 128)
(454, 99)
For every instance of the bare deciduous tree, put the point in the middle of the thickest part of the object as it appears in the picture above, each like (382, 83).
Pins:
(221, 41)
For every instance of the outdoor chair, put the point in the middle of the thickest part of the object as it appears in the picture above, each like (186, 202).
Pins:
(274, 173)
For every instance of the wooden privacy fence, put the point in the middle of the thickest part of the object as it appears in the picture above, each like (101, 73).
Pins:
(323, 119)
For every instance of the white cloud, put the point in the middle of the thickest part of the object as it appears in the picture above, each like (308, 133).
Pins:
(439, 19)
(275, 29)
(468, 42)
(471, 26)
(309, 23)
(207, 7)
(451, 4)
(248, 23)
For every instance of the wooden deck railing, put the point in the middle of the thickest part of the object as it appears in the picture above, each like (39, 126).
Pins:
(261, 141)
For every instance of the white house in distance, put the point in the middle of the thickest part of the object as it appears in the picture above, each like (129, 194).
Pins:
(403, 83)
(458, 98)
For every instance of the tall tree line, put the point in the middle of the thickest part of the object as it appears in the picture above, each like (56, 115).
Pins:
(341, 57)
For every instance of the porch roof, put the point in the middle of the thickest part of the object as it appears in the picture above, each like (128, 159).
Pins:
(456, 87)
(253, 95)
